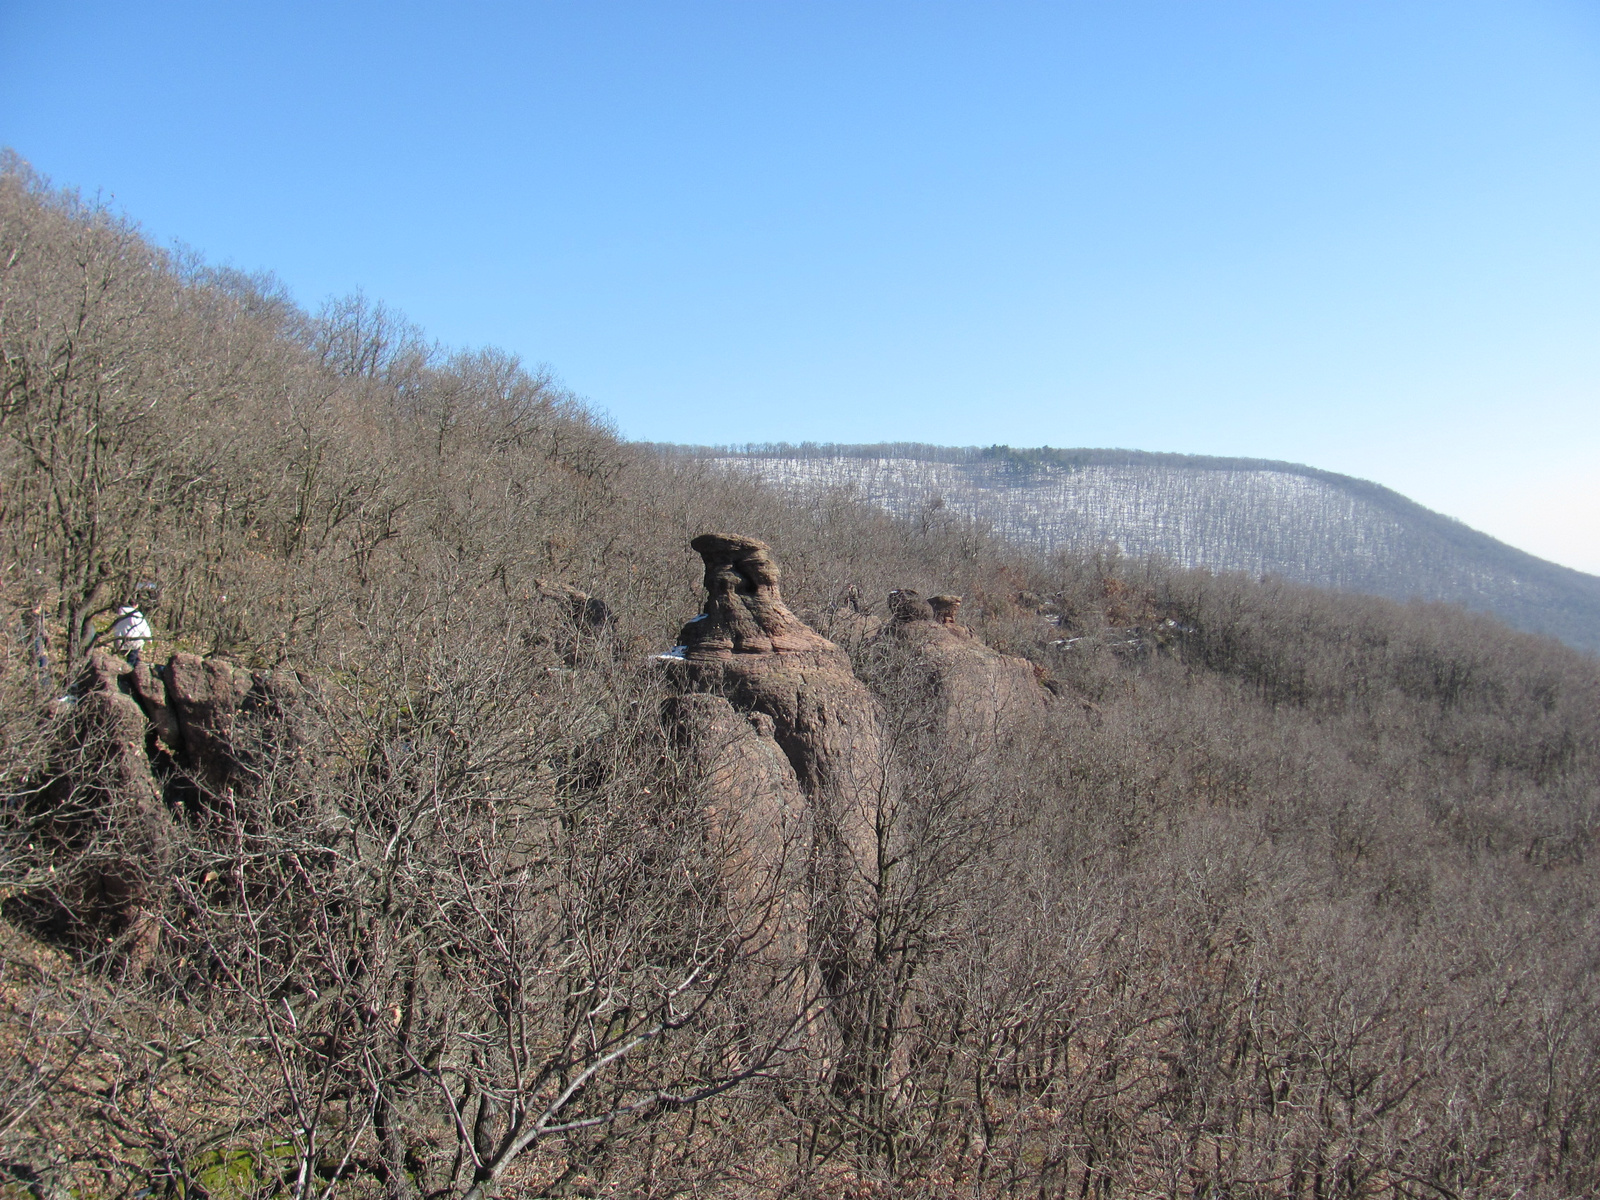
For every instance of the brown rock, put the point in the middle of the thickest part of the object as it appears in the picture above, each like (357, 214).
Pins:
(748, 647)
(979, 696)
(798, 688)
(761, 826)
(205, 694)
(237, 727)
(102, 829)
(744, 612)
(586, 611)
(907, 607)
(579, 622)
(945, 610)
(108, 729)
(151, 692)
(98, 824)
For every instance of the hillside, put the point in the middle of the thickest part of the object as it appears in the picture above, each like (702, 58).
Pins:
(500, 808)
(1225, 514)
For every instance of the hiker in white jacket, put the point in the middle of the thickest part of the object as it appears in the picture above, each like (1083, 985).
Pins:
(131, 631)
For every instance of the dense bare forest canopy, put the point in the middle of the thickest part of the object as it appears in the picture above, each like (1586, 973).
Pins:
(463, 831)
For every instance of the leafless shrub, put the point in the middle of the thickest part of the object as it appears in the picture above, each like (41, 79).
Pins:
(1288, 894)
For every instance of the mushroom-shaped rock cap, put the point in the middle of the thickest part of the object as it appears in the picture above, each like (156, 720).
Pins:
(719, 549)
(744, 611)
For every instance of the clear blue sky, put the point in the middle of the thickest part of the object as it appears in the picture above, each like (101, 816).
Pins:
(1361, 234)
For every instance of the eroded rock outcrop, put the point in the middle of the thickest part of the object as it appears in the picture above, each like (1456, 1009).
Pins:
(946, 610)
(135, 747)
(758, 812)
(796, 691)
(581, 623)
(761, 828)
(100, 835)
(749, 648)
(797, 753)
(236, 727)
(974, 695)
(150, 690)
(204, 696)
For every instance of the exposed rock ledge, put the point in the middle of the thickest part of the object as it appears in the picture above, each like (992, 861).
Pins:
(798, 765)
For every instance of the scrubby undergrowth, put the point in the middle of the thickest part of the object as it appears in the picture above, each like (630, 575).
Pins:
(1290, 894)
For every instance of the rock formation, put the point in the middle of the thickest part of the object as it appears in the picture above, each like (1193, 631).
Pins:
(974, 695)
(761, 828)
(749, 648)
(802, 762)
(754, 661)
(582, 624)
(99, 832)
(235, 727)
(135, 747)
(945, 610)
(204, 696)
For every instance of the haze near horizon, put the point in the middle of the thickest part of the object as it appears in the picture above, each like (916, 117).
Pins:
(1360, 236)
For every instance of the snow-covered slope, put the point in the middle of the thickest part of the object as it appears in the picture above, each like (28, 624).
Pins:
(1226, 514)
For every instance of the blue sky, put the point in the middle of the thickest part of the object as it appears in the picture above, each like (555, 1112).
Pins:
(1360, 234)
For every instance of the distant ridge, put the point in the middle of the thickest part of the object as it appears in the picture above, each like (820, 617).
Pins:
(1227, 514)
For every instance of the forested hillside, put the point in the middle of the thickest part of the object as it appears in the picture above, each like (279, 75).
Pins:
(464, 831)
(1226, 514)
